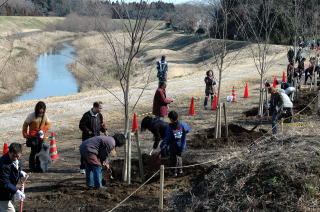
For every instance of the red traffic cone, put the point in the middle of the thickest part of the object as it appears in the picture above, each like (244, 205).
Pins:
(191, 110)
(53, 148)
(5, 148)
(233, 95)
(284, 78)
(134, 123)
(246, 91)
(275, 82)
(215, 102)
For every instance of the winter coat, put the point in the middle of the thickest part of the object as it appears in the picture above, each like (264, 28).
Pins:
(9, 178)
(286, 102)
(275, 102)
(210, 83)
(91, 125)
(170, 139)
(160, 103)
(158, 129)
(162, 67)
(35, 124)
(101, 146)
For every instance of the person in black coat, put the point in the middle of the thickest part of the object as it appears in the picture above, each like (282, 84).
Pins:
(157, 127)
(10, 174)
(91, 124)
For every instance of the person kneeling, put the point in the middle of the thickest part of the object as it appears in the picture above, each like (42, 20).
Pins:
(95, 152)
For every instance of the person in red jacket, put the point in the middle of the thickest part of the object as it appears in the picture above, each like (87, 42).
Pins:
(160, 101)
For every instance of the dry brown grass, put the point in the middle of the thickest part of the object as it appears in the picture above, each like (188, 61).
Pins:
(18, 57)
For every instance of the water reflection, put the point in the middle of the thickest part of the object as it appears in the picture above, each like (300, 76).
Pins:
(54, 79)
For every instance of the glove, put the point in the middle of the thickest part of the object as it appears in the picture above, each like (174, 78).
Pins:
(20, 195)
(23, 174)
(41, 134)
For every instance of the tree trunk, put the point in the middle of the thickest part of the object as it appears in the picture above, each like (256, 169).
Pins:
(261, 97)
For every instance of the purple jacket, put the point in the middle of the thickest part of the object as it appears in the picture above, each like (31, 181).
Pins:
(100, 146)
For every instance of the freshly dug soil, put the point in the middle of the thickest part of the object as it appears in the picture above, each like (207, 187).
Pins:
(237, 136)
(73, 195)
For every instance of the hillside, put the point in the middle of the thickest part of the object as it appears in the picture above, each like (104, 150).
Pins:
(251, 170)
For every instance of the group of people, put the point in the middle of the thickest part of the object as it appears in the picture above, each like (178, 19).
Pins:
(172, 135)
(294, 74)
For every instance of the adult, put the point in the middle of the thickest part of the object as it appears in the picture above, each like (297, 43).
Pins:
(95, 152)
(280, 103)
(299, 56)
(162, 68)
(34, 130)
(91, 124)
(290, 72)
(160, 101)
(10, 174)
(157, 127)
(290, 55)
(210, 82)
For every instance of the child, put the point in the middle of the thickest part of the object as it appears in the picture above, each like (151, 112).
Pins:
(210, 83)
(176, 140)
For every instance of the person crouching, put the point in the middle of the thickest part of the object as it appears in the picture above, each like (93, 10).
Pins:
(176, 140)
(95, 152)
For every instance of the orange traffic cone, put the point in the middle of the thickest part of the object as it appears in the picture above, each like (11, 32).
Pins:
(5, 148)
(215, 102)
(284, 78)
(53, 148)
(233, 95)
(191, 110)
(134, 123)
(246, 91)
(275, 82)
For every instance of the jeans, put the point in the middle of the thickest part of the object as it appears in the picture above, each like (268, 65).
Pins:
(205, 103)
(93, 175)
(274, 122)
(34, 163)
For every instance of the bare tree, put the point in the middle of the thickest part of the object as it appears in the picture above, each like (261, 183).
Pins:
(219, 46)
(122, 48)
(258, 22)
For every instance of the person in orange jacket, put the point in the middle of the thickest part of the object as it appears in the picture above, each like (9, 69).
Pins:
(34, 130)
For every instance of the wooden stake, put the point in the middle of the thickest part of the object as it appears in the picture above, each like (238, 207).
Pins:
(225, 120)
(140, 156)
(161, 187)
(129, 158)
(216, 124)
(219, 121)
(125, 163)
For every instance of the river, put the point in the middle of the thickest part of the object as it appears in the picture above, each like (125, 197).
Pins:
(54, 79)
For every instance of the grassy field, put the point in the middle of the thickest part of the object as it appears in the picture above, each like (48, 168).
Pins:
(9, 24)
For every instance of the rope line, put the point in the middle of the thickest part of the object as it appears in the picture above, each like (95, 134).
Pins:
(134, 191)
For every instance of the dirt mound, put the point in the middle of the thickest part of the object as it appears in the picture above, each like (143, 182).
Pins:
(237, 136)
(273, 186)
(251, 112)
(302, 103)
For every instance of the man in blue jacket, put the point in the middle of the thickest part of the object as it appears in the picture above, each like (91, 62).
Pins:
(176, 141)
(10, 174)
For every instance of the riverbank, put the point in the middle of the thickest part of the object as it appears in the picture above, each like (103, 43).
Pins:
(18, 57)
